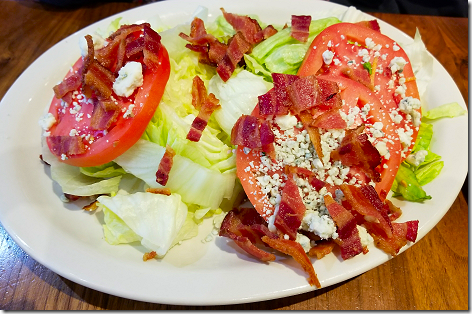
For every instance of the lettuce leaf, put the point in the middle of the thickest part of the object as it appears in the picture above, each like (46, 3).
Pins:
(450, 110)
(195, 183)
(237, 96)
(407, 185)
(281, 52)
(155, 218)
(107, 170)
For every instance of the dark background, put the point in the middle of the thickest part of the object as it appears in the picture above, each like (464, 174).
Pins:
(453, 8)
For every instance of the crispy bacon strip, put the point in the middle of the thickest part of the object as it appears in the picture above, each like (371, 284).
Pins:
(276, 101)
(99, 79)
(251, 132)
(330, 119)
(295, 250)
(301, 27)
(162, 174)
(373, 24)
(402, 233)
(237, 47)
(322, 248)
(249, 27)
(268, 31)
(303, 93)
(328, 95)
(104, 114)
(349, 240)
(198, 35)
(152, 46)
(108, 55)
(66, 145)
(69, 84)
(364, 207)
(313, 132)
(291, 209)
(206, 104)
(245, 227)
(357, 150)
(134, 48)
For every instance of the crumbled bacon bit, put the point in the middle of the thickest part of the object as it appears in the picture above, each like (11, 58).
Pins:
(91, 207)
(163, 191)
(149, 255)
(301, 27)
(162, 174)
(322, 248)
(206, 104)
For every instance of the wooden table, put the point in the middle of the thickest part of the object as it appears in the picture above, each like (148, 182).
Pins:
(432, 275)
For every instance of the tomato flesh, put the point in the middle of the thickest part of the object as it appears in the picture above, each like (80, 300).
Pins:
(103, 146)
(351, 47)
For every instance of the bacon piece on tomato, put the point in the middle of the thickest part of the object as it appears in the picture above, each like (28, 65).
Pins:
(349, 240)
(357, 150)
(330, 119)
(291, 209)
(69, 84)
(295, 250)
(66, 145)
(251, 132)
(372, 24)
(165, 165)
(300, 27)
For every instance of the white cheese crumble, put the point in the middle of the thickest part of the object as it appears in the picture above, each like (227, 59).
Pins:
(286, 122)
(397, 64)
(304, 241)
(408, 106)
(366, 238)
(47, 121)
(328, 56)
(417, 158)
(319, 224)
(129, 78)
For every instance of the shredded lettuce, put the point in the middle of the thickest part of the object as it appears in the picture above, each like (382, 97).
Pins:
(450, 110)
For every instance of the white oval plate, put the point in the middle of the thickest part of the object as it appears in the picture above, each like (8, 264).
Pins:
(70, 242)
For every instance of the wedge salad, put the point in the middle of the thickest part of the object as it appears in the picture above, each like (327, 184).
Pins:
(292, 138)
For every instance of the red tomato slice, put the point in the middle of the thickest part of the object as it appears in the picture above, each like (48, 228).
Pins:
(104, 146)
(355, 94)
(349, 47)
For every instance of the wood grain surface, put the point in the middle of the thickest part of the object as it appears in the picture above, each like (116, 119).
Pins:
(432, 275)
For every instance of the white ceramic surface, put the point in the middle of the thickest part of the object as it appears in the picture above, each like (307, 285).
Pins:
(70, 242)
